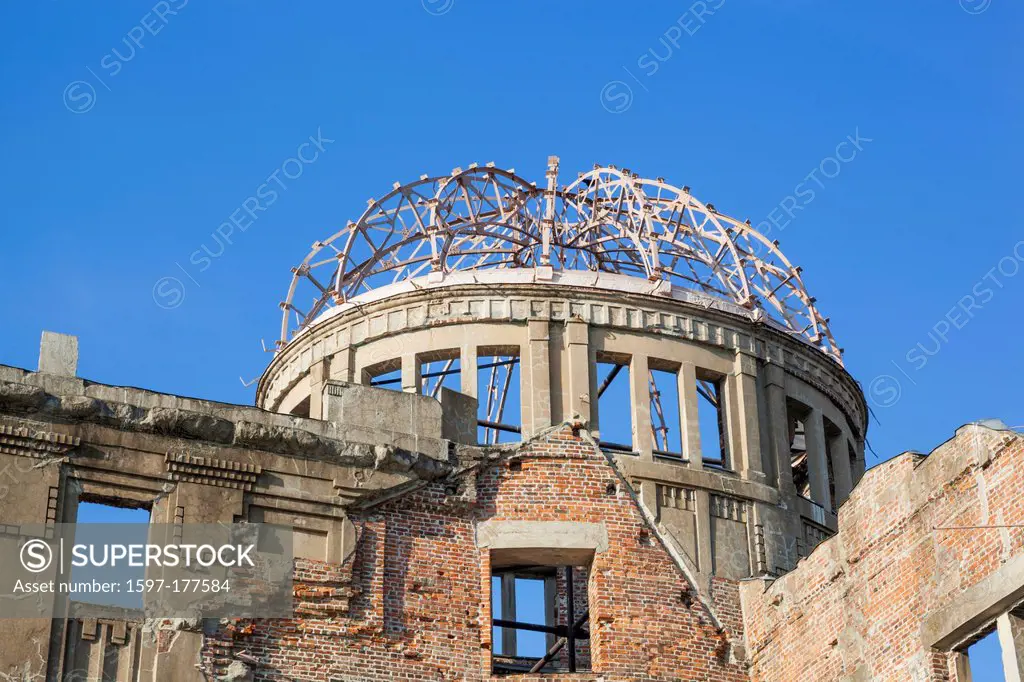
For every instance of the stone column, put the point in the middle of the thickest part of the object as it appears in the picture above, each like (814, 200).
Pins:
(817, 458)
(410, 373)
(319, 373)
(640, 397)
(1011, 641)
(962, 666)
(343, 365)
(743, 419)
(841, 468)
(702, 504)
(778, 417)
(536, 378)
(690, 433)
(577, 341)
(467, 369)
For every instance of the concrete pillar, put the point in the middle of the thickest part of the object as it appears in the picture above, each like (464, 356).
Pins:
(467, 369)
(962, 667)
(640, 397)
(743, 419)
(343, 365)
(778, 416)
(508, 612)
(1011, 641)
(688, 415)
(817, 459)
(536, 378)
(702, 504)
(841, 468)
(577, 341)
(410, 373)
(319, 373)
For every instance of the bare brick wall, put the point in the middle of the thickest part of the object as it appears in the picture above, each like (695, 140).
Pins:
(420, 605)
(869, 603)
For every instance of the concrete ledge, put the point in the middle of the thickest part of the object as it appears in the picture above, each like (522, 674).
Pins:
(975, 606)
(556, 543)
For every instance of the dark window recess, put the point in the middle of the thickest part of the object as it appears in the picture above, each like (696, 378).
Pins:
(832, 434)
(798, 457)
(532, 612)
(614, 407)
(711, 418)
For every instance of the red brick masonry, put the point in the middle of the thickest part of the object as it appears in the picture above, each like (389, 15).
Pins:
(420, 605)
(909, 578)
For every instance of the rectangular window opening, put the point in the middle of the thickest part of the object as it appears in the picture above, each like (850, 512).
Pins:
(796, 414)
(832, 434)
(712, 420)
(499, 416)
(386, 374)
(665, 417)
(440, 369)
(982, 660)
(531, 613)
(132, 527)
(614, 406)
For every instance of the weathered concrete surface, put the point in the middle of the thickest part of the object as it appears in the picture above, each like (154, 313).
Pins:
(458, 416)
(58, 354)
(68, 400)
(64, 441)
(556, 543)
(928, 555)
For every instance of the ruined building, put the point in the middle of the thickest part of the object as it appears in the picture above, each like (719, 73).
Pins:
(595, 431)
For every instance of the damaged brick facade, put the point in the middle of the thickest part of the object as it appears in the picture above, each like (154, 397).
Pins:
(929, 554)
(422, 604)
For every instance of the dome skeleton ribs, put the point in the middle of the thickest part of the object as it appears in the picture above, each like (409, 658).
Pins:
(608, 220)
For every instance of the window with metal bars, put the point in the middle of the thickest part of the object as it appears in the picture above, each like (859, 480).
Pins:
(499, 418)
(440, 369)
(540, 619)
(386, 374)
(663, 385)
(614, 405)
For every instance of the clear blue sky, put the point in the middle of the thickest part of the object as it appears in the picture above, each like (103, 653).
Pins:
(179, 132)
(101, 205)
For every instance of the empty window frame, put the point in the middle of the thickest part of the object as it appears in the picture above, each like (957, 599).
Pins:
(93, 520)
(711, 417)
(832, 434)
(663, 386)
(387, 374)
(440, 369)
(531, 612)
(614, 406)
(499, 414)
(982, 660)
(796, 414)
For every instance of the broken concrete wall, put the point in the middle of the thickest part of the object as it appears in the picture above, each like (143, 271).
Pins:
(64, 441)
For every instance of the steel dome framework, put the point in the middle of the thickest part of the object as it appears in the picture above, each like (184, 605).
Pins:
(607, 220)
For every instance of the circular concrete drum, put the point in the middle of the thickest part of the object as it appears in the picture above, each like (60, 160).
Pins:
(682, 339)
